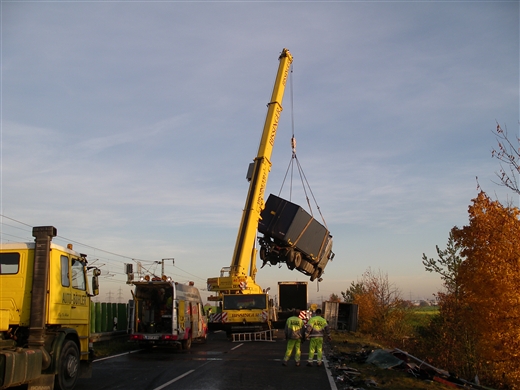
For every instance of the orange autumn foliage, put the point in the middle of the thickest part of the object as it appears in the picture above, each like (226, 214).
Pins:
(381, 309)
(489, 280)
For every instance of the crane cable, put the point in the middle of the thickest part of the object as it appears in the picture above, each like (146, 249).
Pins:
(294, 158)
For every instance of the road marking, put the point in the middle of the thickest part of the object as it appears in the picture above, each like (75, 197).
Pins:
(114, 356)
(239, 345)
(329, 374)
(174, 380)
(206, 359)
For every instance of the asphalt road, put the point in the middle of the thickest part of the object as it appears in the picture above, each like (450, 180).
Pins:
(218, 364)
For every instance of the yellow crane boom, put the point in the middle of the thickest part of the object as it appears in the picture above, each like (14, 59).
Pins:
(239, 278)
(243, 256)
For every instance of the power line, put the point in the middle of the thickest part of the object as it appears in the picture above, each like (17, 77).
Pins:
(14, 220)
(68, 240)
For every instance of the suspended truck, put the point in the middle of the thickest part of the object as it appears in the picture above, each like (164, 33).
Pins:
(44, 313)
(292, 236)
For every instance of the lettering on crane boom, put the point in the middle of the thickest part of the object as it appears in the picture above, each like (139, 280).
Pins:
(285, 74)
(261, 192)
(276, 119)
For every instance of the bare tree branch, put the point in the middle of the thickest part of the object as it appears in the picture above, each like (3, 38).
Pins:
(509, 154)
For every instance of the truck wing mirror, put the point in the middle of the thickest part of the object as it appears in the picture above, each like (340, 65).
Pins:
(95, 282)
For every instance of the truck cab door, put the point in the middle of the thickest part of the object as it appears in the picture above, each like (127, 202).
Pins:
(67, 292)
(60, 296)
(80, 310)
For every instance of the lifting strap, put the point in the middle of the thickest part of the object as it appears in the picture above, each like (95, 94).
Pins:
(294, 158)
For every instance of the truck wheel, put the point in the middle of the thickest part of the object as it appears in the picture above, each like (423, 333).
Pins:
(68, 366)
(297, 260)
(315, 274)
(186, 344)
(291, 254)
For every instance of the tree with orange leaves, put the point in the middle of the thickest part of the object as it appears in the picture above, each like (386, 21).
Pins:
(381, 309)
(489, 280)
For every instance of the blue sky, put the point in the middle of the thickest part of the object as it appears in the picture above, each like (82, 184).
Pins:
(130, 126)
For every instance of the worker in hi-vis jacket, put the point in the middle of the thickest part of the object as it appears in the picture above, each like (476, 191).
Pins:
(294, 331)
(315, 330)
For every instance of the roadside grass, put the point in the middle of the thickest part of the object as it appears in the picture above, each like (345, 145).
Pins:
(421, 316)
(113, 347)
(347, 344)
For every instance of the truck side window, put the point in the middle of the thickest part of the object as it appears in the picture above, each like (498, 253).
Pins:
(78, 277)
(9, 263)
(64, 264)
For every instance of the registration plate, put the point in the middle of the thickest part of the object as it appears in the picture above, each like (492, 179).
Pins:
(151, 337)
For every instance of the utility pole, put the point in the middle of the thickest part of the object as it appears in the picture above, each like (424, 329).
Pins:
(162, 264)
(119, 295)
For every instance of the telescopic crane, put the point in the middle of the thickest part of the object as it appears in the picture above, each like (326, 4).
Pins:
(244, 304)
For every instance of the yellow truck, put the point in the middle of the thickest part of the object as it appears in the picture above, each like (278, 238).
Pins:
(44, 313)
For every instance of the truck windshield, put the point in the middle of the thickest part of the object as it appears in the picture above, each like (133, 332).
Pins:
(245, 302)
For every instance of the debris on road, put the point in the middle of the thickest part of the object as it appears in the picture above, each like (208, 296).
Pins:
(391, 359)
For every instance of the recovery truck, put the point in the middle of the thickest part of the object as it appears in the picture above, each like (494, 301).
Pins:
(166, 313)
(244, 305)
(44, 313)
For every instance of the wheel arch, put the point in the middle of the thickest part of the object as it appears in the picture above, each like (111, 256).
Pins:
(57, 345)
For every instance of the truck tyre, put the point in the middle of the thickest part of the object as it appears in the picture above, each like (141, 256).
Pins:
(291, 254)
(186, 344)
(263, 253)
(316, 274)
(68, 366)
(297, 259)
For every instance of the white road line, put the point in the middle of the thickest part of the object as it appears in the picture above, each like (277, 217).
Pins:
(329, 374)
(239, 345)
(174, 380)
(114, 356)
